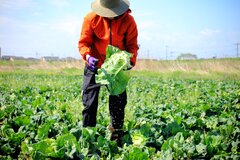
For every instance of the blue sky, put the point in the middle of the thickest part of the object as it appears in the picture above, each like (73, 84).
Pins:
(167, 28)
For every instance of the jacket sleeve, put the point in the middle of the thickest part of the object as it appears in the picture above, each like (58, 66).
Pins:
(86, 38)
(131, 40)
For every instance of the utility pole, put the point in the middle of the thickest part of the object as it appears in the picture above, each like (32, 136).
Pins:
(237, 48)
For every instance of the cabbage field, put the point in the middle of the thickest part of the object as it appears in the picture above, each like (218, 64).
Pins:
(166, 118)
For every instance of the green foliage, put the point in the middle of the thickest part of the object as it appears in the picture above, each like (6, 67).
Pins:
(165, 119)
(112, 71)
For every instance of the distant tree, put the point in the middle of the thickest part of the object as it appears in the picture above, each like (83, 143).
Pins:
(187, 56)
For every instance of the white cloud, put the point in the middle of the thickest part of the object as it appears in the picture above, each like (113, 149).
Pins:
(209, 32)
(149, 30)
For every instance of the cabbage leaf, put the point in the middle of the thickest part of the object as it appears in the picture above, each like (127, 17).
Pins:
(113, 71)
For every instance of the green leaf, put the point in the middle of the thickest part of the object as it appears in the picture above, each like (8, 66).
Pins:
(235, 145)
(7, 148)
(89, 133)
(167, 144)
(138, 139)
(179, 137)
(189, 148)
(101, 141)
(201, 148)
(43, 130)
(22, 120)
(111, 72)
(135, 153)
(67, 145)
(191, 121)
(43, 149)
(25, 147)
(2, 114)
(16, 138)
(172, 129)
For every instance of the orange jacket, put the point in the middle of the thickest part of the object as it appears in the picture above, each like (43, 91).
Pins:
(98, 32)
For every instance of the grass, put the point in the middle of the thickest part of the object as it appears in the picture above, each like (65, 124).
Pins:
(219, 69)
(201, 66)
(188, 75)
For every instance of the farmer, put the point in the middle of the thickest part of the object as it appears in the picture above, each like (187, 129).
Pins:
(110, 23)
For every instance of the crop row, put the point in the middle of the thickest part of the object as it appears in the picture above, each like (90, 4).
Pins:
(40, 118)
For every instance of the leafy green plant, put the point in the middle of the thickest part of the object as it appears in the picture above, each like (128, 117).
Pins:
(112, 71)
(165, 119)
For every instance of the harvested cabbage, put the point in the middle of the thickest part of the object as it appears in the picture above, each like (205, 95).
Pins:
(112, 72)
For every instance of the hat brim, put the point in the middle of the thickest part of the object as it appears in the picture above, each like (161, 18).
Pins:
(113, 12)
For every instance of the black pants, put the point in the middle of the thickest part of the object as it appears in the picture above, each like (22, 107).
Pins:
(90, 101)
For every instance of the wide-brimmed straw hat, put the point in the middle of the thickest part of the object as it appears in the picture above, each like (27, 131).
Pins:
(110, 8)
